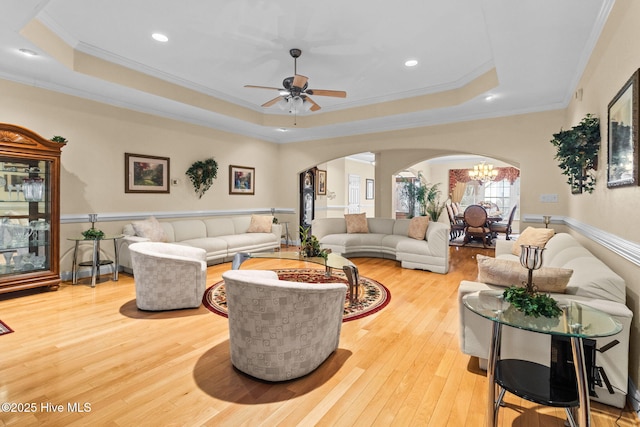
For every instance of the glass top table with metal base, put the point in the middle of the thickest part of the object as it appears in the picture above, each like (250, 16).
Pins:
(530, 380)
(332, 261)
(95, 262)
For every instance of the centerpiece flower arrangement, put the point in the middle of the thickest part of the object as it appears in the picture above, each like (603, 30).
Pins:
(526, 298)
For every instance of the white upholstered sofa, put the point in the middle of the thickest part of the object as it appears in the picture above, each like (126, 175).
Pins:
(592, 283)
(387, 238)
(220, 237)
(280, 330)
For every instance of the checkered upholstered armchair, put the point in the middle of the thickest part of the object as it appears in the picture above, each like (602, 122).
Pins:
(280, 330)
(168, 276)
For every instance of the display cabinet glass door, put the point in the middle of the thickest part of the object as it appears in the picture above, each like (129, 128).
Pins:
(25, 215)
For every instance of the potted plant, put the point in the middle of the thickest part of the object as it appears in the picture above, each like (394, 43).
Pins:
(310, 246)
(577, 152)
(202, 174)
(60, 139)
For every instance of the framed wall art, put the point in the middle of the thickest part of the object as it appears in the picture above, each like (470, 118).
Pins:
(321, 181)
(146, 174)
(370, 190)
(242, 180)
(623, 121)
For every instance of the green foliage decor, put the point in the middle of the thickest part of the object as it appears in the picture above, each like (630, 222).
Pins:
(532, 304)
(310, 246)
(93, 234)
(577, 152)
(202, 174)
(423, 195)
(60, 139)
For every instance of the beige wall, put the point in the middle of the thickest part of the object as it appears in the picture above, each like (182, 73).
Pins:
(615, 58)
(93, 161)
(92, 178)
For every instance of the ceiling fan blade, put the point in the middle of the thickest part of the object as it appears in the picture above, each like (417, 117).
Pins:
(263, 87)
(299, 81)
(314, 106)
(272, 102)
(323, 92)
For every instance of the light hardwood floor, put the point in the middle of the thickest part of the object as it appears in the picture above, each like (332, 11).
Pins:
(401, 366)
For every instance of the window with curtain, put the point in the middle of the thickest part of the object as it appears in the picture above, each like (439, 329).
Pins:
(500, 194)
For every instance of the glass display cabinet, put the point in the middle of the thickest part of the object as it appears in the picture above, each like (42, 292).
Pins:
(29, 210)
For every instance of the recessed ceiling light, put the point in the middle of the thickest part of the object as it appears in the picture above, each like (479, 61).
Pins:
(489, 98)
(160, 37)
(28, 52)
(283, 129)
(411, 63)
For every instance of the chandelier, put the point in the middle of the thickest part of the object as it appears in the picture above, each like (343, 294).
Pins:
(482, 172)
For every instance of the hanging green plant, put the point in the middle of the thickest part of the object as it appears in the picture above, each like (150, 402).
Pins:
(202, 174)
(577, 152)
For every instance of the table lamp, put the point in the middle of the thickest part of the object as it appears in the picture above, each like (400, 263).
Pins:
(547, 220)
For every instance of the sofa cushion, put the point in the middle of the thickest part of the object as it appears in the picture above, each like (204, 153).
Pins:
(533, 237)
(356, 223)
(219, 227)
(188, 229)
(149, 228)
(418, 227)
(380, 225)
(260, 224)
(503, 272)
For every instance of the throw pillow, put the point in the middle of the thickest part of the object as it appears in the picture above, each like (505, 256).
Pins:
(418, 227)
(356, 223)
(260, 224)
(533, 237)
(505, 272)
(149, 228)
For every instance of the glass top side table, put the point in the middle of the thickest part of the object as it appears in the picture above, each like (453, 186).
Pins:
(576, 322)
(95, 262)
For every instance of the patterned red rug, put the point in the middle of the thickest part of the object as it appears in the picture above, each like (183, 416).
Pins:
(374, 296)
(4, 329)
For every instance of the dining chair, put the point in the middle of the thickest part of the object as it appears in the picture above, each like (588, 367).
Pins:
(504, 227)
(475, 218)
(457, 226)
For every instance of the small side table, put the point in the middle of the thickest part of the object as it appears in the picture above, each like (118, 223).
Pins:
(523, 378)
(95, 262)
(287, 236)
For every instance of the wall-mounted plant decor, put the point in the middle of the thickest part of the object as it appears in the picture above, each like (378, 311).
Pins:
(202, 174)
(578, 153)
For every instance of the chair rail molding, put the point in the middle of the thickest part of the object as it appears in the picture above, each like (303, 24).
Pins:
(131, 216)
(625, 248)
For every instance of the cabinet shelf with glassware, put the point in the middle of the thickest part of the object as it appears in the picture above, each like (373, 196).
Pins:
(29, 210)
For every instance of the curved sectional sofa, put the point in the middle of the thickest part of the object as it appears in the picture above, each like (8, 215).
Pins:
(387, 238)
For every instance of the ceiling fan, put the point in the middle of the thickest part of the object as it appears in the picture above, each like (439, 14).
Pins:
(295, 92)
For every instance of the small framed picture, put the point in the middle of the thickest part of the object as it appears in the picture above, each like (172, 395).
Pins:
(321, 181)
(370, 189)
(146, 174)
(241, 180)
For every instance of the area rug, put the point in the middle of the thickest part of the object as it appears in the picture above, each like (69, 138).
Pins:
(4, 329)
(374, 298)
(459, 241)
